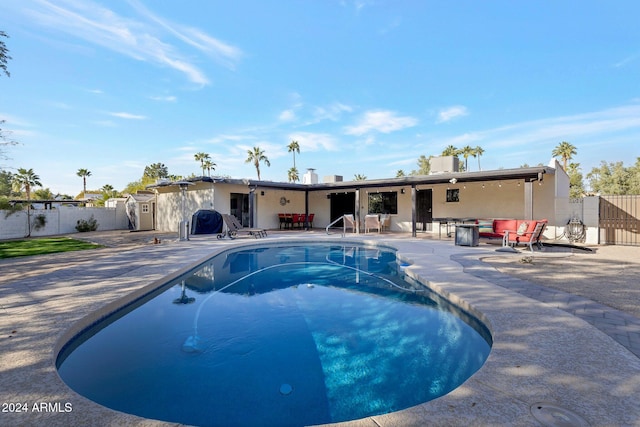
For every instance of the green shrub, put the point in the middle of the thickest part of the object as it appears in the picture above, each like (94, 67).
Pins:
(90, 225)
(39, 221)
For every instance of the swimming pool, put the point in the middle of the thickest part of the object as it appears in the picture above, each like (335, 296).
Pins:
(281, 335)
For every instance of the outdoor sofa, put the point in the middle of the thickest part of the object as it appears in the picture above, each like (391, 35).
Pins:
(513, 231)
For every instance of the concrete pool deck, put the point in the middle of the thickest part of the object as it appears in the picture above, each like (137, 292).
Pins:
(553, 351)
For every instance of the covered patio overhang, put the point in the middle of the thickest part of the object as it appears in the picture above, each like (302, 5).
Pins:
(527, 175)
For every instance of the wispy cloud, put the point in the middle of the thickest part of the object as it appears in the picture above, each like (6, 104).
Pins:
(331, 112)
(626, 60)
(570, 128)
(224, 53)
(392, 25)
(128, 116)
(310, 141)
(287, 116)
(380, 121)
(164, 98)
(357, 4)
(450, 113)
(145, 38)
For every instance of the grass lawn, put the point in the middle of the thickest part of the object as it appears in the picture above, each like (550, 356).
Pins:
(45, 245)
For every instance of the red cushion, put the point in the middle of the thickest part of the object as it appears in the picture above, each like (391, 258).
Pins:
(502, 225)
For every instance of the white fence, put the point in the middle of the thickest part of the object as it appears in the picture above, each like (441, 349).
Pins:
(62, 220)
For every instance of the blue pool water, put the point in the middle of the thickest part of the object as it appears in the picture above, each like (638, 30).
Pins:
(278, 336)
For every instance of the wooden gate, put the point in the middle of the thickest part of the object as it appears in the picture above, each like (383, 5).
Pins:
(619, 223)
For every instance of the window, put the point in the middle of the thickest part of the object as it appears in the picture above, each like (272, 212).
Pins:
(145, 208)
(383, 203)
(453, 195)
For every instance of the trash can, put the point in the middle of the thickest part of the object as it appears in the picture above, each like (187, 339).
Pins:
(467, 235)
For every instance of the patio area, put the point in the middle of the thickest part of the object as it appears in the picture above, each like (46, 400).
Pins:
(550, 358)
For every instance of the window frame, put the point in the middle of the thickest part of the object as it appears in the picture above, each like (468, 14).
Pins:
(453, 195)
(387, 203)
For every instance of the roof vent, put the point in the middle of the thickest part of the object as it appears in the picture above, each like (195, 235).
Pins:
(444, 164)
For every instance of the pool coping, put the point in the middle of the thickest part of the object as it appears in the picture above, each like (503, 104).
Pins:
(541, 356)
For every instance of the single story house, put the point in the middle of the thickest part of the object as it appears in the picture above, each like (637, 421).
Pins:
(414, 203)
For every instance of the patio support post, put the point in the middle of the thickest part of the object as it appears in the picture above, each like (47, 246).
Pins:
(252, 203)
(306, 209)
(413, 210)
(357, 211)
(528, 200)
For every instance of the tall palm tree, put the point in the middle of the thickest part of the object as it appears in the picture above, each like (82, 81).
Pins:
(201, 157)
(294, 147)
(256, 156)
(479, 152)
(293, 175)
(359, 177)
(83, 173)
(209, 166)
(466, 152)
(25, 179)
(566, 151)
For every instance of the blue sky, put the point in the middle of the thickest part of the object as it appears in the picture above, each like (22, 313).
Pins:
(364, 86)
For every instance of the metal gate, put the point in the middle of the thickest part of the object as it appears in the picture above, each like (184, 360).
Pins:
(619, 223)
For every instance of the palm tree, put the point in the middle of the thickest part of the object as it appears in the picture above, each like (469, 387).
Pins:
(294, 147)
(201, 157)
(156, 170)
(467, 151)
(479, 152)
(293, 175)
(83, 173)
(25, 179)
(256, 156)
(450, 150)
(566, 151)
(209, 166)
(359, 177)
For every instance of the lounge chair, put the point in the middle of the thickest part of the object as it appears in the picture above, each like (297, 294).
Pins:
(234, 227)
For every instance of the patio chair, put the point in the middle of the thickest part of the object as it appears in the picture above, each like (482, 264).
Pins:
(349, 222)
(284, 221)
(234, 227)
(372, 221)
(295, 221)
(302, 220)
(385, 222)
(525, 236)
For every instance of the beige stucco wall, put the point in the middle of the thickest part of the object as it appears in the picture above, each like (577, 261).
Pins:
(169, 205)
(504, 199)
